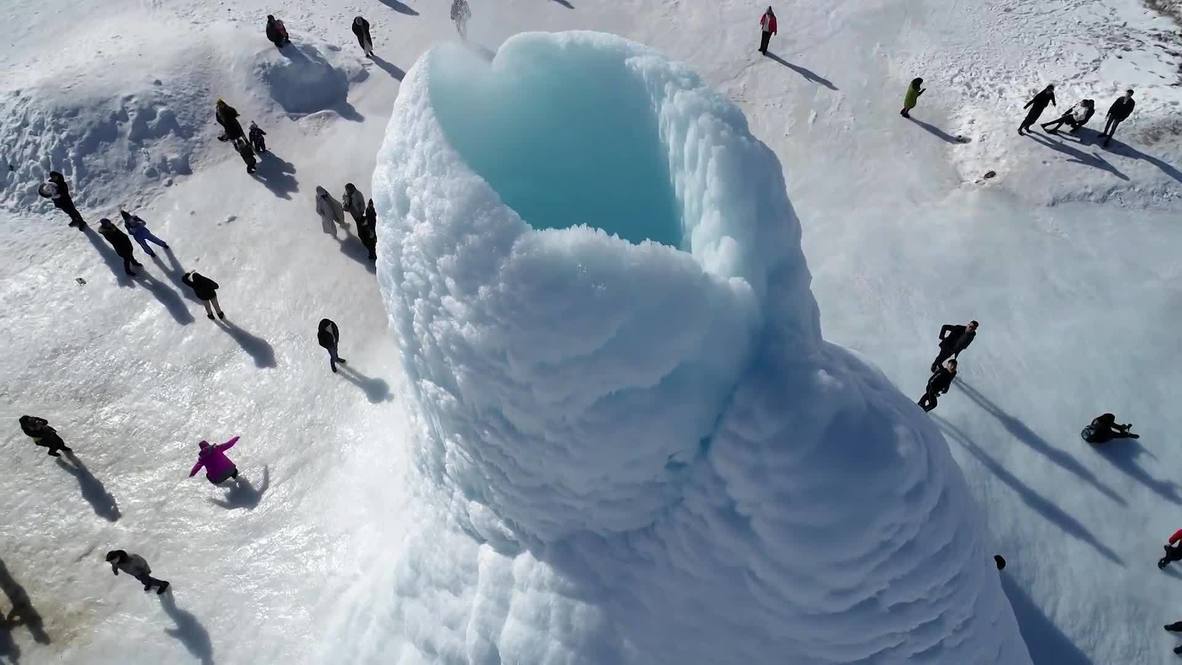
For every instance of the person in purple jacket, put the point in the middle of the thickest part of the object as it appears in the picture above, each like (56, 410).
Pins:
(218, 467)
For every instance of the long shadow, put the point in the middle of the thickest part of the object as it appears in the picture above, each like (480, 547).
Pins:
(1125, 150)
(172, 301)
(276, 175)
(564, 3)
(376, 390)
(109, 256)
(188, 631)
(1045, 642)
(1077, 156)
(92, 489)
(351, 247)
(243, 494)
(936, 131)
(399, 7)
(388, 67)
(259, 349)
(175, 273)
(20, 613)
(1037, 502)
(348, 112)
(1123, 454)
(1021, 432)
(808, 74)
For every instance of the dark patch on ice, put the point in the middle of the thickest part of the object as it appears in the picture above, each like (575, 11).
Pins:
(188, 631)
(258, 348)
(92, 488)
(399, 7)
(808, 74)
(376, 390)
(243, 494)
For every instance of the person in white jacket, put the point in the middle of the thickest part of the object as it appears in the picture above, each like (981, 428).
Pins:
(354, 202)
(1076, 117)
(329, 211)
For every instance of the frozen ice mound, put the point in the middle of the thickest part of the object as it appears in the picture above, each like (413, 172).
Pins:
(635, 445)
(303, 77)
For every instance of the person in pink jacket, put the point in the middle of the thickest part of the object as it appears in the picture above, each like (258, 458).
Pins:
(218, 467)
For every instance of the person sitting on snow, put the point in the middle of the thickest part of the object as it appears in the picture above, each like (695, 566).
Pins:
(1076, 117)
(1105, 428)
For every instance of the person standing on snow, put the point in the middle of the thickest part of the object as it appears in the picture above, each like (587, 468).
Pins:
(206, 291)
(328, 336)
(330, 213)
(460, 13)
(767, 24)
(56, 190)
(1076, 117)
(1037, 105)
(1173, 551)
(277, 32)
(227, 117)
(912, 97)
(367, 232)
(361, 29)
(138, 229)
(953, 340)
(121, 243)
(256, 139)
(1121, 109)
(938, 384)
(134, 565)
(354, 202)
(246, 154)
(1104, 428)
(43, 435)
(218, 467)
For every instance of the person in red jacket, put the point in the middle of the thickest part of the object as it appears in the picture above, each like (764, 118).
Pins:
(768, 23)
(1173, 550)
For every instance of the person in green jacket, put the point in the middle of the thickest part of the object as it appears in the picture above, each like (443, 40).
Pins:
(912, 97)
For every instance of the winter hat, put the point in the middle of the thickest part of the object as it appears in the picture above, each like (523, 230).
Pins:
(104, 222)
(1000, 561)
(116, 555)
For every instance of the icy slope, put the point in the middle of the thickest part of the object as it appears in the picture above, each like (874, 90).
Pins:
(638, 453)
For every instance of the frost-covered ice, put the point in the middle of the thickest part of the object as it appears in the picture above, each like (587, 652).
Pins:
(640, 452)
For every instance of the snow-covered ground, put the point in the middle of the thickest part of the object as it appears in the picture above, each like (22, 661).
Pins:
(1068, 258)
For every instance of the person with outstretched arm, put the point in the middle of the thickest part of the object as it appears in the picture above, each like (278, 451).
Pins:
(139, 230)
(137, 567)
(218, 467)
(1120, 110)
(939, 384)
(953, 340)
(1037, 105)
(767, 25)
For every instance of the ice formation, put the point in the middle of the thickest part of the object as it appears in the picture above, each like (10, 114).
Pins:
(636, 446)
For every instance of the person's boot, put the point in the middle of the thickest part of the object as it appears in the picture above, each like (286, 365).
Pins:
(221, 314)
(1178, 650)
(209, 316)
(162, 589)
(342, 361)
(1175, 627)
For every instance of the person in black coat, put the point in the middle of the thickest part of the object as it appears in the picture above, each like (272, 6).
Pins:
(206, 291)
(361, 29)
(1104, 428)
(1037, 106)
(227, 117)
(938, 384)
(329, 336)
(43, 435)
(56, 190)
(247, 154)
(953, 340)
(121, 243)
(367, 230)
(1117, 113)
(277, 32)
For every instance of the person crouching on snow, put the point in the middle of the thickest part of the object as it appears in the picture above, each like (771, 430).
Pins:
(218, 467)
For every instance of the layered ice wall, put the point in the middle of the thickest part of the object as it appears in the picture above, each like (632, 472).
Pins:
(636, 447)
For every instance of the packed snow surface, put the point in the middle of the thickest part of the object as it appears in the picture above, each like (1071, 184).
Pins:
(634, 453)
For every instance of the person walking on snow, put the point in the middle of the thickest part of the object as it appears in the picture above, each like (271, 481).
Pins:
(206, 291)
(368, 231)
(912, 97)
(1104, 428)
(227, 117)
(277, 32)
(1173, 550)
(1037, 105)
(329, 337)
(43, 435)
(138, 229)
(953, 340)
(354, 202)
(1121, 109)
(134, 565)
(246, 154)
(256, 139)
(121, 243)
(218, 467)
(1076, 117)
(460, 13)
(330, 212)
(56, 190)
(938, 384)
(361, 29)
(767, 24)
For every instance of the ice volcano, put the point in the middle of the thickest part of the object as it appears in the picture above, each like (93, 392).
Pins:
(635, 445)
